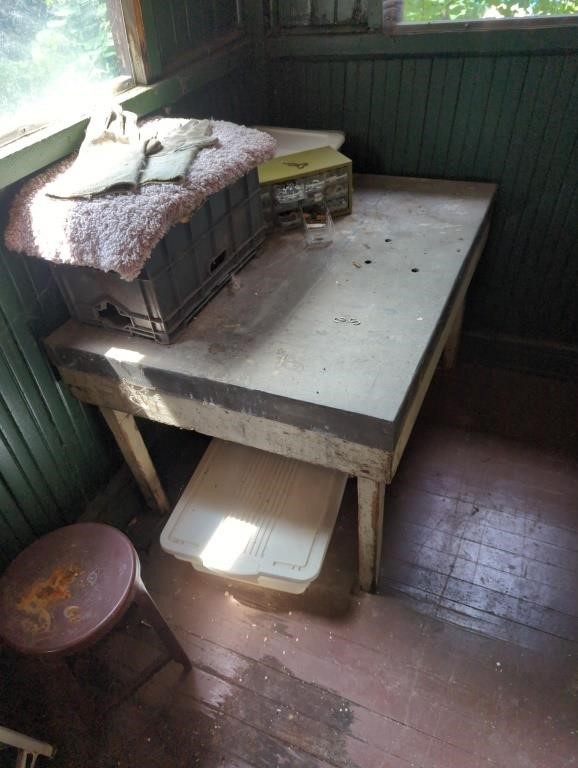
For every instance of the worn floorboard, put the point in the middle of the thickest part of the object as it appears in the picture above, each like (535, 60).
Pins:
(488, 528)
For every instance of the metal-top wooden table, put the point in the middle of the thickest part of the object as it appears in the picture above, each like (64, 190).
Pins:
(320, 355)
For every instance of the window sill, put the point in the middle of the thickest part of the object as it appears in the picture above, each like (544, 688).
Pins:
(35, 151)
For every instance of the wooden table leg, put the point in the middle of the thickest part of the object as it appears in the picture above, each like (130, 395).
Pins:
(126, 432)
(450, 353)
(370, 498)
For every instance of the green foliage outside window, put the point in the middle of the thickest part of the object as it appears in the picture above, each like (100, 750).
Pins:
(462, 10)
(51, 50)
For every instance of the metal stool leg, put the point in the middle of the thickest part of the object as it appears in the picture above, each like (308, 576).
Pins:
(149, 610)
(82, 703)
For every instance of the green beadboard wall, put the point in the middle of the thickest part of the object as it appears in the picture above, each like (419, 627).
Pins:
(510, 117)
(53, 455)
(179, 28)
(232, 98)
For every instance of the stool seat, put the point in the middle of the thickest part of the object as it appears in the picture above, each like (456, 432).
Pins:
(67, 589)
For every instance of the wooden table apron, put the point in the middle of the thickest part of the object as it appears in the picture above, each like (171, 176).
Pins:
(323, 356)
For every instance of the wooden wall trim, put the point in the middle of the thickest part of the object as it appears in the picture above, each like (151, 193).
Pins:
(142, 45)
(465, 42)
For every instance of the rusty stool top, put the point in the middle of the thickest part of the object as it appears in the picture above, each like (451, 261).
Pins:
(67, 589)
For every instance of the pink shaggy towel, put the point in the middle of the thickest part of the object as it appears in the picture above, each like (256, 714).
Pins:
(118, 230)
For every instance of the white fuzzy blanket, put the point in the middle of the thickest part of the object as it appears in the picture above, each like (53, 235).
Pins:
(118, 230)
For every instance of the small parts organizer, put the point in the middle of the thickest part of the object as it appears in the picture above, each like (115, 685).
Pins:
(296, 189)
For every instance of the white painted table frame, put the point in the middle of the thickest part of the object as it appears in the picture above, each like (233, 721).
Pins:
(120, 400)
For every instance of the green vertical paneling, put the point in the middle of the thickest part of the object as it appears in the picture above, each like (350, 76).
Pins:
(391, 103)
(517, 142)
(524, 178)
(560, 240)
(234, 97)
(358, 86)
(179, 27)
(363, 97)
(417, 111)
(483, 80)
(225, 15)
(151, 9)
(433, 115)
(375, 138)
(16, 531)
(338, 75)
(457, 128)
(52, 457)
(490, 121)
(510, 118)
(403, 115)
(164, 27)
(297, 85)
(550, 160)
(22, 411)
(324, 90)
(452, 87)
(198, 19)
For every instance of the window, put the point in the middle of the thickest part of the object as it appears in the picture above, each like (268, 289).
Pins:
(304, 13)
(364, 15)
(470, 10)
(57, 59)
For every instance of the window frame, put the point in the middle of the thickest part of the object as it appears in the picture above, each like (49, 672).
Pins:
(385, 16)
(394, 24)
(374, 22)
(152, 88)
(145, 51)
(117, 10)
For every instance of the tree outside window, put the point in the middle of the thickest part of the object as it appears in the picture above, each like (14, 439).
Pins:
(469, 10)
(57, 58)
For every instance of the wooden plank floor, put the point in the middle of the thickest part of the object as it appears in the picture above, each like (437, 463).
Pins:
(467, 657)
(484, 531)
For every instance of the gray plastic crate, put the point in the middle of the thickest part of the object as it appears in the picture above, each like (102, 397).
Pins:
(190, 264)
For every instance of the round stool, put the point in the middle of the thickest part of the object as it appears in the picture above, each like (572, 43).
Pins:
(67, 590)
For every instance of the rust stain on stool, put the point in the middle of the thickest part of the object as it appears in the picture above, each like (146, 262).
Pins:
(43, 594)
